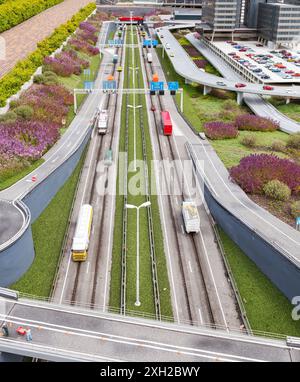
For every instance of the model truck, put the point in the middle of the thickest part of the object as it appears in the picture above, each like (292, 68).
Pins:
(149, 57)
(102, 121)
(115, 59)
(190, 216)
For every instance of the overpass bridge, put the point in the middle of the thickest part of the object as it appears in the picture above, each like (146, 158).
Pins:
(72, 333)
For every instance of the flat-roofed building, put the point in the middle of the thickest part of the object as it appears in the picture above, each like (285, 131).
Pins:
(279, 24)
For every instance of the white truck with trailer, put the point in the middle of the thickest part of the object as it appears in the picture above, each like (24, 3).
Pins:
(149, 57)
(190, 216)
(102, 121)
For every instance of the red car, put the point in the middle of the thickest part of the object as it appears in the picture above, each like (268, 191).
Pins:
(243, 50)
(268, 87)
(296, 75)
(239, 85)
(289, 72)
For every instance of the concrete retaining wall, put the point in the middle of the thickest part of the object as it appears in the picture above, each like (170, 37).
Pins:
(282, 272)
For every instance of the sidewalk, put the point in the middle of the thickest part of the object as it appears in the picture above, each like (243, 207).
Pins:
(23, 38)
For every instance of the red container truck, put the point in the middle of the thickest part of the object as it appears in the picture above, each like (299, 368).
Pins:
(166, 123)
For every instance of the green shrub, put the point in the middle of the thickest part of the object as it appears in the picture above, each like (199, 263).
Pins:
(38, 79)
(277, 190)
(24, 112)
(10, 116)
(15, 12)
(24, 69)
(278, 146)
(294, 141)
(295, 209)
(14, 103)
(249, 141)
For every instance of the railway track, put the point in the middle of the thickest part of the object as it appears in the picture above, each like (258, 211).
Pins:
(110, 98)
(158, 107)
(148, 199)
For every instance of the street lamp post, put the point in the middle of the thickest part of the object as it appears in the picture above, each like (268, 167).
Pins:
(146, 204)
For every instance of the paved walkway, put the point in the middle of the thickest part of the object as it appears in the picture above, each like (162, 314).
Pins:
(23, 38)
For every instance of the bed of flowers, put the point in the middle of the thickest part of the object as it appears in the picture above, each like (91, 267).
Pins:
(34, 121)
(220, 130)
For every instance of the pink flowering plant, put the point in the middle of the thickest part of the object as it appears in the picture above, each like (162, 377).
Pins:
(255, 123)
(255, 170)
(220, 130)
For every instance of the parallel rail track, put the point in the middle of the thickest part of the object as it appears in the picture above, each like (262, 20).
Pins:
(149, 70)
(92, 194)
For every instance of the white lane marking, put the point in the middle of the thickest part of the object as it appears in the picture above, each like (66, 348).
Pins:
(65, 280)
(54, 160)
(125, 339)
(190, 266)
(200, 315)
(41, 348)
(161, 208)
(182, 230)
(87, 267)
(249, 209)
(234, 336)
(68, 145)
(78, 132)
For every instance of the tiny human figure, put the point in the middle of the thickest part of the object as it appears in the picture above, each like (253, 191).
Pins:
(5, 330)
(28, 335)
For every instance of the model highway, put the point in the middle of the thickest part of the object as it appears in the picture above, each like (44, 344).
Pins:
(65, 333)
(186, 68)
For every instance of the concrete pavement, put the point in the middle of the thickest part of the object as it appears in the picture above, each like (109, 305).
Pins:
(65, 332)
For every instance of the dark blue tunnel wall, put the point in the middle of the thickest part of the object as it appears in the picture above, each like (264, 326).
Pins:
(282, 272)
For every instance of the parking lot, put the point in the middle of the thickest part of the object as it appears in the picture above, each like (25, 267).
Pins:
(267, 65)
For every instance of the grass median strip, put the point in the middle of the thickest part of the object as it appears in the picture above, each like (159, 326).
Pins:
(146, 287)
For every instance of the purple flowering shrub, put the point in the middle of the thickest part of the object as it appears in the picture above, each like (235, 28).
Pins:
(65, 63)
(28, 140)
(86, 26)
(201, 64)
(256, 170)
(255, 123)
(191, 51)
(220, 130)
(83, 46)
(49, 102)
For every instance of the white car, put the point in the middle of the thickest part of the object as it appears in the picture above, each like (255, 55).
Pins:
(220, 83)
(167, 46)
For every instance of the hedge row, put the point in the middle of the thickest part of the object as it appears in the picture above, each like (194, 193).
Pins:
(15, 12)
(12, 81)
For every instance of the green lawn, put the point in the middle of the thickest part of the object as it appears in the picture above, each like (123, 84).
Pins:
(146, 288)
(220, 105)
(292, 110)
(48, 235)
(77, 82)
(267, 308)
(9, 177)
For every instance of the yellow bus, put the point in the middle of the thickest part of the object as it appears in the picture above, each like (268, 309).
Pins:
(82, 233)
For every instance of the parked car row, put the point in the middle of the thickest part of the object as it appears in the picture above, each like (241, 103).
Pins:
(267, 60)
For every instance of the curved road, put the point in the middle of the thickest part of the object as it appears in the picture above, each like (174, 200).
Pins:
(185, 67)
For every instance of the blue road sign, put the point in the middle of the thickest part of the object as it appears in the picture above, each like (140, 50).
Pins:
(149, 43)
(156, 86)
(173, 85)
(87, 72)
(109, 85)
(298, 220)
(88, 85)
(115, 42)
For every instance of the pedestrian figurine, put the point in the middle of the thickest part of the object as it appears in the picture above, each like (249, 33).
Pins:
(5, 330)
(28, 335)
